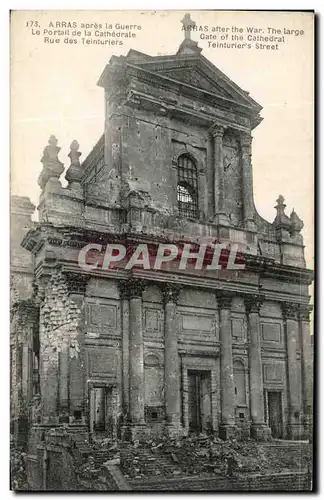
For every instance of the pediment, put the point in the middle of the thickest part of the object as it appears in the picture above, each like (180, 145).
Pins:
(197, 71)
(196, 78)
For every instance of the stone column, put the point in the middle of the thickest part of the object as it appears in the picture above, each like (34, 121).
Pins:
(217, 133)
(49, 377)
(290, 312)
(259, 430)
(48, 360)
(171, 358)
(123, 292)
(77, 377)
(136, 357)
(307, 365)
(64, 372)
(227, 426)
(247, 181)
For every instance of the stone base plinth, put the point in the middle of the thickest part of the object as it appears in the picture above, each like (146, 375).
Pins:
(227, 431)
(260, 432)
(221, 219)
(296, 431)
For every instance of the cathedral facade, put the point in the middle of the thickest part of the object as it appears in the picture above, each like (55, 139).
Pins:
(141, 352)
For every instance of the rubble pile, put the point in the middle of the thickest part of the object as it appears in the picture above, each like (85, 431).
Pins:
(208, 456)
(103, 450)
(18, 476)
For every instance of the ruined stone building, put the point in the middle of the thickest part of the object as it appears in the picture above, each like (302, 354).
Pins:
(144, 352)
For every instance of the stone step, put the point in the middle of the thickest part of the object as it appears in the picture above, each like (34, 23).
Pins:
(283, 482)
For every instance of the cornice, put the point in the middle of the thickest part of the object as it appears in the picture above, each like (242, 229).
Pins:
(269, 268)
(164, 108)
(178, 279)
(262, 267)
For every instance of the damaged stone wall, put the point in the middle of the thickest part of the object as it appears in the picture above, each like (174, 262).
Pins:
(61, 338)
(22, 312)
(24, 323)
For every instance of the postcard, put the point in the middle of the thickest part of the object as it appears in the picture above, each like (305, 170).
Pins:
(162, 168)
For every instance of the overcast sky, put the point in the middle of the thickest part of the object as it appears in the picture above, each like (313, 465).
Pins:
(54, 91)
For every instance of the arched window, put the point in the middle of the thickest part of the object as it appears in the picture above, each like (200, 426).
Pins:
(187, 187)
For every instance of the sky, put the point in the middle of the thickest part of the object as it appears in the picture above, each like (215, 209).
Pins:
(54, 91)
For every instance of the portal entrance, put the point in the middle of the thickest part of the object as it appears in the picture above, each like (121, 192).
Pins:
(103, 409)
(275, 413)
(98, 403)
(199, 401)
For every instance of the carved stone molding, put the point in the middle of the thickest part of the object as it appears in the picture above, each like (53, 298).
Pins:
(170, 292)
(75, 172)
(217, 130)
(25, 308)
(131, 288)
(253, 303)
(224, 299)
(245, 140)
(52, 167)
(123, 289)
(77, 283)
(39, 288)
(304, 312)
(290, 310)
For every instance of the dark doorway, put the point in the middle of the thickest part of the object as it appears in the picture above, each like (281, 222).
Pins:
(98, 402)
(199, 401)
(275, 413)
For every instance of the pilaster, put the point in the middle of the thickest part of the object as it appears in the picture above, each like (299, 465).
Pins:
(259, 430)
(307, 364)
(170, 295)
(203, 194)
(217, 133)
(64, 379)
(247, 181)
(227, 428)
(290, 313)
(75, 349)
(123, 293)
(136, 355)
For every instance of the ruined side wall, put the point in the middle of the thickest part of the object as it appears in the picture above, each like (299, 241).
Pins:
(61, 345)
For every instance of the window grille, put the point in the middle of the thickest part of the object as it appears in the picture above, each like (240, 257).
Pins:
(187, 187)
